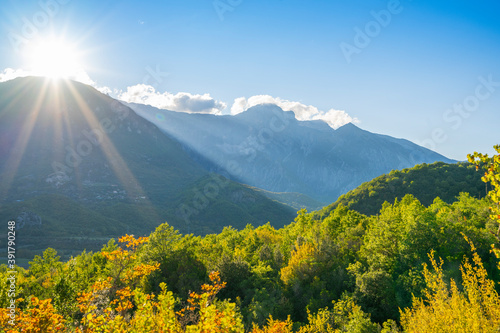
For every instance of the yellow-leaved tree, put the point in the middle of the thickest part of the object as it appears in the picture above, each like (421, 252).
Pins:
(491, 167)
(444, 307)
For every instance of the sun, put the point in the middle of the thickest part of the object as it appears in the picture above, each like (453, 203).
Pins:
(53, 58)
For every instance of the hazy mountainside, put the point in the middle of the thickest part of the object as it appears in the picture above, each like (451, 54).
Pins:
(67, 148)
(268, 148)
(425, 182)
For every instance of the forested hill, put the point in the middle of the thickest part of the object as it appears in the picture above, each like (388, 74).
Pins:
(424, 181)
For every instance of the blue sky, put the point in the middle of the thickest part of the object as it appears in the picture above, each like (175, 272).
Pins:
(426, 71)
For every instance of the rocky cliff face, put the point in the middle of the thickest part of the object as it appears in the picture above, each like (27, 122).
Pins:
(27, 219)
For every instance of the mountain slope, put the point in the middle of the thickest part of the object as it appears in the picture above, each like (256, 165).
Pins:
(425, 182)
(66, 141)
(268, 148)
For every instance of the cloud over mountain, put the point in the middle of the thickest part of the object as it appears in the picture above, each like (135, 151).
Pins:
(10, 74)
(196, 103)
(334, 118)
(182, 101)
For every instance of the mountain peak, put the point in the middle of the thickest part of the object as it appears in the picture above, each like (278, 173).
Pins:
(264, 113)
(348, 127)
(268, 109)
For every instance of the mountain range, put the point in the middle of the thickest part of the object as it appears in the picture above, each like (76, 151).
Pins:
(269, 148)
(79, 167)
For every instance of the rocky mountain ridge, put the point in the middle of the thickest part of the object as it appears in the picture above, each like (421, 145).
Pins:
(269, 148)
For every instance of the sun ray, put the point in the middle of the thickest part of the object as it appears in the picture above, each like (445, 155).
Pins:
(22, 140)
(62, 125)
(119, 166)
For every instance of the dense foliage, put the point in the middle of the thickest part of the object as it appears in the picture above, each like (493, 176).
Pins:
(424, 181)
(411, 268)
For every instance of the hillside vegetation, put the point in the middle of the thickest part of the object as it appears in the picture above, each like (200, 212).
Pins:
(410, 268)
(424, 181)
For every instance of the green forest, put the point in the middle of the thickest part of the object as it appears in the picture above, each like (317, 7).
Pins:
(406, 264)
(424, 181)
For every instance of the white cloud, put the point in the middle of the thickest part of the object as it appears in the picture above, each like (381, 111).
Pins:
(334, 118)
(183, 102)
(10, 74)
(83, 77)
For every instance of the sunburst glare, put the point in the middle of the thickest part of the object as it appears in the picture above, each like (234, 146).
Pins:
(53, 58)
